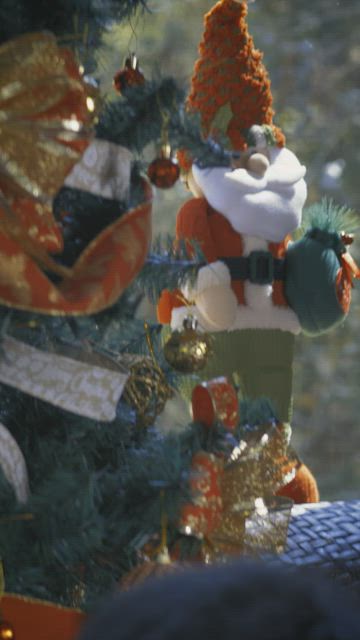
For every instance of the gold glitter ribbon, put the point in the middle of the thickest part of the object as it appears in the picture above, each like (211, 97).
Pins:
(253, 519)
(13, 229)
(258, 467)
(246, 516)
(45, 124)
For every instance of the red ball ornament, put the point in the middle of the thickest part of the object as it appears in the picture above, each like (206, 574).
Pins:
(6, 631)
(163, 172)
(130, 76)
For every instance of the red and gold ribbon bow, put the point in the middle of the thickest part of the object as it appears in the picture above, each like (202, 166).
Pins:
(45, 125)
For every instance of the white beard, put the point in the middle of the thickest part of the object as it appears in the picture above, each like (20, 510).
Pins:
(268, 206)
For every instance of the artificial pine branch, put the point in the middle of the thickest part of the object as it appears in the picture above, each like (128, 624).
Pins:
(329, 216)
(67, 18)
(137, 118)
(185, 133)
(168, 266)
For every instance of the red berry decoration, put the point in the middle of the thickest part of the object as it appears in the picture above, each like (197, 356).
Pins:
(130, 76)
(347, 238)
(163, 171)
(6, 631)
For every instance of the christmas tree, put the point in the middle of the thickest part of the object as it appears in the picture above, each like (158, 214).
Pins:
(90, 487)
(78, 479)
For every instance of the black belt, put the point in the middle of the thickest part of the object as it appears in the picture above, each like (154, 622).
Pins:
(259, 267)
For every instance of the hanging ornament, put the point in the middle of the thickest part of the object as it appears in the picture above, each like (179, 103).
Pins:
(164, 171)
(6, 630)
(13, 465)
(147, 390)
(130, 76)
(188, 350)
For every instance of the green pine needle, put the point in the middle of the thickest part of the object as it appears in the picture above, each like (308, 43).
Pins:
(169, 268)
(329, 216)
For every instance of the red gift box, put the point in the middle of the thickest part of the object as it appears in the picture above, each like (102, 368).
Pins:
(34, 619)
(203, 514)
(215, 400)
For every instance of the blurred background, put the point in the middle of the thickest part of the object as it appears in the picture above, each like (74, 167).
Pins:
(312, 52)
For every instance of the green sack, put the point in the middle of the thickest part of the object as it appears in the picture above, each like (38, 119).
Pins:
(312, 275)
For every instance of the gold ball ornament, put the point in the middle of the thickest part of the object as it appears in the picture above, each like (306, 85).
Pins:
(146, 391)
(188, 350)
(6, 631)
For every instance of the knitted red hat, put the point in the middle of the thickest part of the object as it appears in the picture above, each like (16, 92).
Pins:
(230, 86)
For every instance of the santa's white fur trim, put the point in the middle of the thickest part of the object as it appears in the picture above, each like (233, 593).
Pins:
(271, 317)
(253, 243)
(246, 318)
(257, 296)
(259, 312)
(179, 314)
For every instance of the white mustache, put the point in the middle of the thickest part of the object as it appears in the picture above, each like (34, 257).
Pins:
(284, 171)
(276, 177)
(267, 206)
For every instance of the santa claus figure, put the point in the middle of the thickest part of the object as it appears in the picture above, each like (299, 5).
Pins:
(242, 217)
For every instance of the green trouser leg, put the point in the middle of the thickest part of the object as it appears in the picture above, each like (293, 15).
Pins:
(259, 360)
